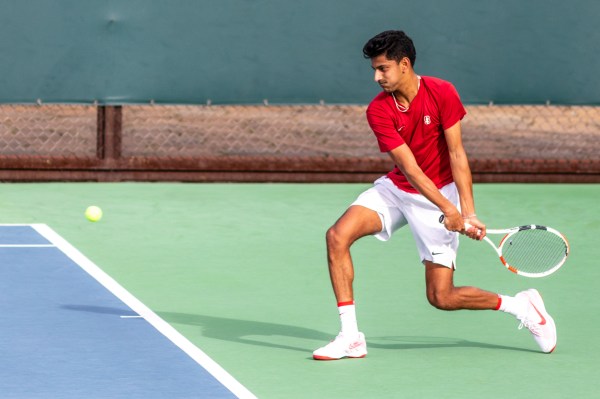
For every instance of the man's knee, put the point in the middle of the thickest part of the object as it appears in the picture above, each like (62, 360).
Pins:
(441, 299)
(336, 239)
(440, 287)
(355, 223)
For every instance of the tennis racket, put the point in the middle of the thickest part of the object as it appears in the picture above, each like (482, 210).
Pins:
(530, 251)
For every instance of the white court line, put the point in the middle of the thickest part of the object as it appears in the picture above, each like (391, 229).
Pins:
(22, 245)
(26, 245)
(136, 305)
(15, 224)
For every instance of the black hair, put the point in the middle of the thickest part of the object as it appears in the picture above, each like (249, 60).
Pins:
(395, 44)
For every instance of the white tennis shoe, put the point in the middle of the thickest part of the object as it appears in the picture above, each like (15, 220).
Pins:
(538, 321)
(343, 347)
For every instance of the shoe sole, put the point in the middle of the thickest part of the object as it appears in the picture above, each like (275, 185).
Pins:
(317, 357)
(536, 298)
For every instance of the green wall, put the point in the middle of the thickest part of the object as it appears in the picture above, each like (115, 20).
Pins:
(244, 51)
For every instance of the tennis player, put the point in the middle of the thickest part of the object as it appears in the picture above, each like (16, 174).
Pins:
(416, 120)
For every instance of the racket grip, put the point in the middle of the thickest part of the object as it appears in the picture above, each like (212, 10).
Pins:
(468, 226)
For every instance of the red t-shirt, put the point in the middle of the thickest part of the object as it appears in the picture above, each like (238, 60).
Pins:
(436, 107)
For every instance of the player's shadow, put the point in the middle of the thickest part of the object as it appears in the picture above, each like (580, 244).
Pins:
(259, 333)
(125, 311)
(265, 334)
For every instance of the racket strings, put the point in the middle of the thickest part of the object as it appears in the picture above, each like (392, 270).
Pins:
(534, 250)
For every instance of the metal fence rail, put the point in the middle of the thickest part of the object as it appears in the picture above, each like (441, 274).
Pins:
(323, 143)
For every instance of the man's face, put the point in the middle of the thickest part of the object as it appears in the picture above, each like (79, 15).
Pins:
(388, 73)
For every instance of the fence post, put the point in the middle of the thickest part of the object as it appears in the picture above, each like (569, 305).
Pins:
(109, 133)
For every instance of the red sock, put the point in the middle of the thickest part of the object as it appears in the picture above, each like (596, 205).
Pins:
(499, 303)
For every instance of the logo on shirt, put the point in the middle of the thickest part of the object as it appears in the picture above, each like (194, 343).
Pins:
(401, 128)
(427, 120)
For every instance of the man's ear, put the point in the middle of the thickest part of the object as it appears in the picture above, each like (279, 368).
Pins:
(404, 64)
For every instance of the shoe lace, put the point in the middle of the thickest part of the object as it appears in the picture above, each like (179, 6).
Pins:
(339, 341)
(530, 325)
(335, 342)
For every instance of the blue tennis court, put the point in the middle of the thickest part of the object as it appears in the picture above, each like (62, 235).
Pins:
(70, 331)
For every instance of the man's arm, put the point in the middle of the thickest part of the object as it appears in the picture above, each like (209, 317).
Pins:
(461, 172)
(406, 162)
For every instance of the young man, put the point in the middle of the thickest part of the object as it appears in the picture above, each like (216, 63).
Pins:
(416, 120)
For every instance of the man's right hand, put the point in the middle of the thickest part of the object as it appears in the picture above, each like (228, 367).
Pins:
(477, 230)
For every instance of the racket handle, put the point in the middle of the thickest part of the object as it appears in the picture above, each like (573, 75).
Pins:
(468, 226)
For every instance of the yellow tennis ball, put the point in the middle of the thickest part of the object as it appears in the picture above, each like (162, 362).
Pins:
(93, 213)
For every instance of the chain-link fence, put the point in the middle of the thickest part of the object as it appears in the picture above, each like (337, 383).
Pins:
(56, 130)
(279, 143)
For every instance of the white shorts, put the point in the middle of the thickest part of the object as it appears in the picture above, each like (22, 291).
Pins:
(397, 208)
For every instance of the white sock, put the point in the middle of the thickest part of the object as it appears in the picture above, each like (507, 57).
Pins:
(515, 306)
(347, 312)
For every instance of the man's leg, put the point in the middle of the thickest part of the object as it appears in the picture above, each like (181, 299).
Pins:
(442, 293)
(527, 306)
(355, 223)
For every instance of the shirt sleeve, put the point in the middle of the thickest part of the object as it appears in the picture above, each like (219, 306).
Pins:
(452, 109)
(383, 126)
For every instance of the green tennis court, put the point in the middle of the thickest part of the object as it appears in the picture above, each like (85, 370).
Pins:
(239, 269)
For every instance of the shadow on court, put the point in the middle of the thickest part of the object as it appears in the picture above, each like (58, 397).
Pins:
(101, 310)
(240, 331)
(248, 332)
